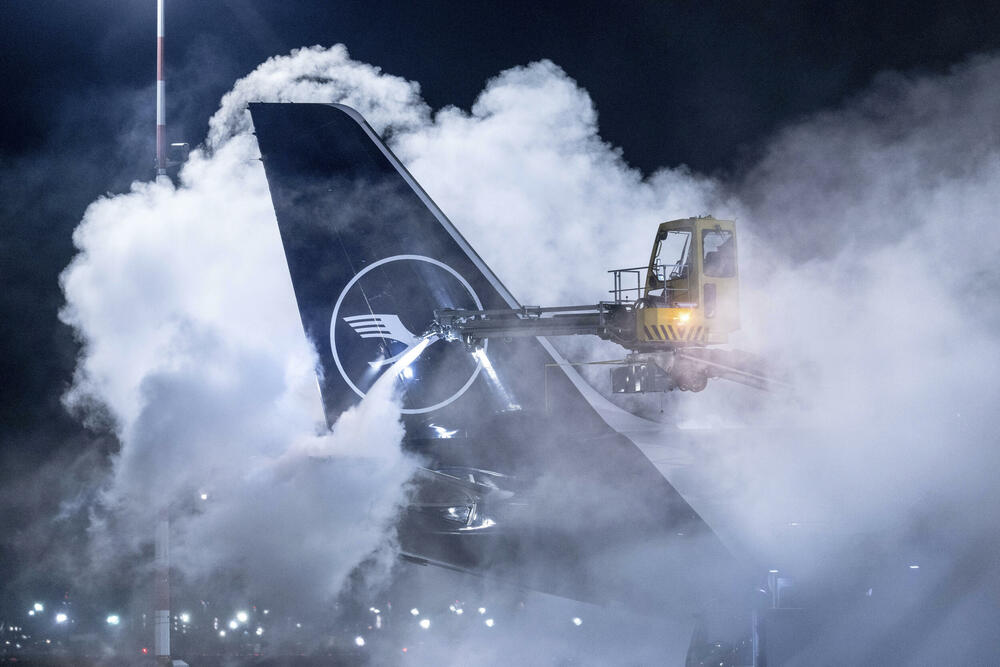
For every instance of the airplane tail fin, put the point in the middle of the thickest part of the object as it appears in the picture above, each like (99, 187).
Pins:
(371, 258)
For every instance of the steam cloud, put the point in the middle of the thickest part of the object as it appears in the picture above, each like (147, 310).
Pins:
(868, 238)
(194, 345)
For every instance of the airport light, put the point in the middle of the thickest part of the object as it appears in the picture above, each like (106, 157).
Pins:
(233, 625)
(914, 567)
(415, 611)
(772, 572)
(113, 619)
(577, 621)
(482, 610)
(222, 633)
(31, 612)
(459, 611)
(204, 496)
(61, 617)
(359, 640)
(185, 618)
(425, 623)
(241, 616)
(39, 606)
(259, 631)
(489, 622)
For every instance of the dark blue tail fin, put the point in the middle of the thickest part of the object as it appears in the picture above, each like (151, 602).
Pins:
(371, 257)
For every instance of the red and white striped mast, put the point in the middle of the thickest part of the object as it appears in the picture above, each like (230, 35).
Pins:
(161, 588)
(161, 110)
(161, 559)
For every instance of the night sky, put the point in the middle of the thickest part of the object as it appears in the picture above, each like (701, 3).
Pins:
(701, 84)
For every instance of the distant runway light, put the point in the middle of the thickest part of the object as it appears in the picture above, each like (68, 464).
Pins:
(359, 640)
(222, 633)
(233, 625)
(39, 606)
(241, 616)
(425, 623)
(31, 612)
(914, 567)
(459, 611)
(577, 621)
(61, 617)
(113, 619)
(415, 611)
(204, 496)
(773, 571)
(185, 618)
(489, 622)
(482, 610)
(259, 632)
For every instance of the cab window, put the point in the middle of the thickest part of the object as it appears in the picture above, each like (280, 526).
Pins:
(719, 248)
(672, 253)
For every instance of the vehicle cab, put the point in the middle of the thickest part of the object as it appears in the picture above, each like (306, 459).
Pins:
(691, 293)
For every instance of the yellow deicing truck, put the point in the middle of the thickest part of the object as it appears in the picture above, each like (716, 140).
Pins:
(667, 314)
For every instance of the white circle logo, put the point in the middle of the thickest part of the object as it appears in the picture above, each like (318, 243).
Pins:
(383, 313)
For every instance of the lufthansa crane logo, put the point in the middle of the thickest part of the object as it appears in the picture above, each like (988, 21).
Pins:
(386, 328)
(382, 315)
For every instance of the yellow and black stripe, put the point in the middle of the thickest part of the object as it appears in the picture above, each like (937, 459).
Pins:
(678, 334)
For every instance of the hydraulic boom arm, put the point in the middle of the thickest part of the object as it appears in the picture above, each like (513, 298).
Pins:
(607, 320)
(684, 301)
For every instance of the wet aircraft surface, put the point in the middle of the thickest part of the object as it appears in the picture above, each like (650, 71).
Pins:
(371, 257)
